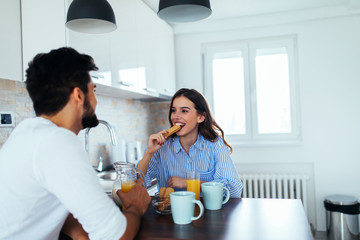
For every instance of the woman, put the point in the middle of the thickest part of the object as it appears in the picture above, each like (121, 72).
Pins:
(197, 146)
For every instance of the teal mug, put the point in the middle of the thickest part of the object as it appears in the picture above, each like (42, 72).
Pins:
(213, 193)
(183, 207)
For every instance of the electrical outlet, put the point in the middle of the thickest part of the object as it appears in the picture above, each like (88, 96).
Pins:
(7, 119)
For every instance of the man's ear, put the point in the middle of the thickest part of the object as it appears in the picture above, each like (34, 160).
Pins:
(78, 95)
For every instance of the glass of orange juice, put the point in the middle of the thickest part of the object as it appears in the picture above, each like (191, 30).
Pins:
(193, 183)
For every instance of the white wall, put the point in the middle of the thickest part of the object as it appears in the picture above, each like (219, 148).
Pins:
(329, 88)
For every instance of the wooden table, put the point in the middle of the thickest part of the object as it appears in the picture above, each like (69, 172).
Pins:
(248, 219)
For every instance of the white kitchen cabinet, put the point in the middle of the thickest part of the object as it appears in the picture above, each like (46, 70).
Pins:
(124, 50)
(115, 53)
(10, 40)
(137, 58)
(95, 45)
(43, 27)
(146, 40)
(165, 68)
(155, 52)
(98, 47)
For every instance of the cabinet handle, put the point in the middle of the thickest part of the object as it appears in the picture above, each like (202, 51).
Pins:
(150, 90)
(126, 84)
(96, 75)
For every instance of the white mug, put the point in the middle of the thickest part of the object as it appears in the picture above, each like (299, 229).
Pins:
(213, 193)
(183, 206)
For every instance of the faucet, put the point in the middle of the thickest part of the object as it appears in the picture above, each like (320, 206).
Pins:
(112, 136)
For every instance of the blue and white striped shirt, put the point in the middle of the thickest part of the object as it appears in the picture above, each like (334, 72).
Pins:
(211, 159)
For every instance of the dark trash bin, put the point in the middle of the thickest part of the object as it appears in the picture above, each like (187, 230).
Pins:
(342, 217)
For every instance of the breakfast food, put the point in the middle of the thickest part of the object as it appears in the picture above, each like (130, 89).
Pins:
(162, 192)
(164, 199)
(164, 205)
(165, 192)
(172, 130)
(168, 191)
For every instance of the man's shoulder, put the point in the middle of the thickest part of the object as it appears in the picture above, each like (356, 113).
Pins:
(39, 130)
(40, 125)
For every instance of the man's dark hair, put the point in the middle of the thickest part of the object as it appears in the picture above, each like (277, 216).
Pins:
(51, 77)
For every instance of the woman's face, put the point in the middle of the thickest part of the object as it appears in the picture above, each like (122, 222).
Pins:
(183, 113)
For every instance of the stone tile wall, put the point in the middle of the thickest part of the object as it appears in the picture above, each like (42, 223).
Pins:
(132, 119)
(14, 98)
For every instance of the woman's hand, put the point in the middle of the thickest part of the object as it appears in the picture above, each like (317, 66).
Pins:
(156, 141)
(176, 182)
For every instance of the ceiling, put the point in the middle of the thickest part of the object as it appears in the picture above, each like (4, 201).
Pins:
(240, 8)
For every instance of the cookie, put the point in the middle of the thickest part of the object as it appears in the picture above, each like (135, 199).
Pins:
(172, 130)
(168, 191)
(162, 192)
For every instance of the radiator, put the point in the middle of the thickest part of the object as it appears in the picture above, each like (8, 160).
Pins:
(286, 186)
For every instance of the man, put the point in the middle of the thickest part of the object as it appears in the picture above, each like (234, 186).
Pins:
(45, 175)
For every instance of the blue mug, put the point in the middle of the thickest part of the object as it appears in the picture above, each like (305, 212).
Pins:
(213, 193)
(183, 206)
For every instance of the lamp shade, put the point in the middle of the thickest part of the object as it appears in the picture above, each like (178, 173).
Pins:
(179, 11)
(90, 16)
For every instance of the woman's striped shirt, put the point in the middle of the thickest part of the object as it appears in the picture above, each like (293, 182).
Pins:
(211, 159)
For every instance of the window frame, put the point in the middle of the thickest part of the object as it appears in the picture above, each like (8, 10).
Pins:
(248, 49)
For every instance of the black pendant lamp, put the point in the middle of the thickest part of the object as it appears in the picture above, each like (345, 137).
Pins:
(180, 11)
(91, 16)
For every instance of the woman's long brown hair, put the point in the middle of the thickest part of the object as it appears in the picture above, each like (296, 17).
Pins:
(208, 128)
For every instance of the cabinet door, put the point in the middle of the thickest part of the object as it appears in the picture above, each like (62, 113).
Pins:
(95, 45)
(165, 64)
(147, 36)
(43, 27)
(156, 51)
(114, 53)
(10, 41)
(123, 47)
(98, 47)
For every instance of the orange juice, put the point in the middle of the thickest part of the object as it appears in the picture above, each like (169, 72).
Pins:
(193, 185)
(127, 186)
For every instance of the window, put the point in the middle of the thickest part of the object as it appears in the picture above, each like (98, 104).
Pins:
(251, 89)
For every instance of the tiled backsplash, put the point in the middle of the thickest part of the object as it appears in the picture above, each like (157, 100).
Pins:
(132, 119)
(14, 98)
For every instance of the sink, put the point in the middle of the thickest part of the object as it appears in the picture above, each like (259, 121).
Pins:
(106, 180)
(108, 175)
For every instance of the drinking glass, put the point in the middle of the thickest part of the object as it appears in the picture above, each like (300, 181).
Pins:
(193, 183)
